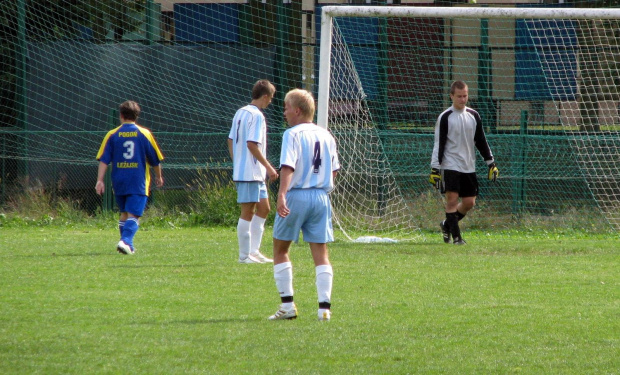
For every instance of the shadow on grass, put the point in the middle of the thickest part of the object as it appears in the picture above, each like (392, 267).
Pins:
(83, 254)
(197, 322)
(157, 265)
(54, 255)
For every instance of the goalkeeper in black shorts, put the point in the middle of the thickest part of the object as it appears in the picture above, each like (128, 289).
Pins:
(458, 132)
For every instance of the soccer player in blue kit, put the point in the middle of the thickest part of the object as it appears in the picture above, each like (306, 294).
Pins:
(308, 164)
(131, 150)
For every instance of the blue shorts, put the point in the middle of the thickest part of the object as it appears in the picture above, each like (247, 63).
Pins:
(134, 204)
(310, 212)
(251, 192)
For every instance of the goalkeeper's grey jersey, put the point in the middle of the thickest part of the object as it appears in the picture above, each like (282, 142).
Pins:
(456, 134)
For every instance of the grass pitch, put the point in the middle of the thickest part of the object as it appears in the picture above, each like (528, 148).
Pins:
(69, 304)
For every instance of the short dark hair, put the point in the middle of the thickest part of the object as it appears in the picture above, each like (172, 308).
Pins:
(129, 110)
(457, 85)
(262, 87)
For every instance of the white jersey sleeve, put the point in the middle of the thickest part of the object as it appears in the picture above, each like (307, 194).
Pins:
(312, 152)
(248, 125)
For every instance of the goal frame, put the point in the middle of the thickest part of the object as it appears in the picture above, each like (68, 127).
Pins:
(328, 12)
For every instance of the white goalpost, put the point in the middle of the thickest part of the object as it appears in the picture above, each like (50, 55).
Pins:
(545, 72)
(329, 12)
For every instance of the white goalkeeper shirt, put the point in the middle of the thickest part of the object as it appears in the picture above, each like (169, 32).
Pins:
(248, 125)
(311, 151)
(457, 136)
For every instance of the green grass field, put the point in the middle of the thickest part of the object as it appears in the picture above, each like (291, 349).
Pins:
(69, 304)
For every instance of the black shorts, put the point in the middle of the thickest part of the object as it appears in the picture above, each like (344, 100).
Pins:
(466, 184)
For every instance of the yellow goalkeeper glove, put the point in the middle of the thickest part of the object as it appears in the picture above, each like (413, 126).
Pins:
(435, 178)
(493, 172)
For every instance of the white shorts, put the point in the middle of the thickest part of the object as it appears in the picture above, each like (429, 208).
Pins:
(310, 212)
(251, 192)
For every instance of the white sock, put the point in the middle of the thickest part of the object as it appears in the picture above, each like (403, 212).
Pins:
(244, 238)
(283, 274)
(257, 228)
(288, 305)
(324, 279)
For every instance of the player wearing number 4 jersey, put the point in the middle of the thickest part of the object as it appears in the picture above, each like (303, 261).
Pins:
(309, 163)
(131, 150)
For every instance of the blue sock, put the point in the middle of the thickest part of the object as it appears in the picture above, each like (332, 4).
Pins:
(121, 224)
(129, 230)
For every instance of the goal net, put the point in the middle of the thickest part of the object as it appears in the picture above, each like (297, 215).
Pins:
(68, 65)
(545, 82)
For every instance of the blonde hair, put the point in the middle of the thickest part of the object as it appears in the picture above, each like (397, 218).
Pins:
(303, 100)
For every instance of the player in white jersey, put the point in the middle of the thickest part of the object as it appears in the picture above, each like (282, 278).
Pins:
(308, 166)
(453, 164)
(247, 144)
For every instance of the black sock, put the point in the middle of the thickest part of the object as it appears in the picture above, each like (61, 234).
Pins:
(287, 299)
(452, 220)
(460, 215)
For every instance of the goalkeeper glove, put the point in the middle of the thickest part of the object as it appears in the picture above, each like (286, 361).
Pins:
(435, 178)
(493, 172)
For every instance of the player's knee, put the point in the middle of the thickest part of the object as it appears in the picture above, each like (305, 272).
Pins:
(263, 211)
(468, 205)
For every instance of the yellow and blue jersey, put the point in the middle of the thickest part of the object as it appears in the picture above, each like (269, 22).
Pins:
(130, 149)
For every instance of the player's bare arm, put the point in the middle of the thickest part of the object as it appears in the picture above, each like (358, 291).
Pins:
(230, 147)
(286, 175)
(272, 174)
(159, 177)
(100, 185)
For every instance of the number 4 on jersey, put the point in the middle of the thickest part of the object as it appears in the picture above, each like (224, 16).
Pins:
(316, 159)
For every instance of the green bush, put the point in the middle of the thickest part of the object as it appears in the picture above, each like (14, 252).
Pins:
(210, 199)
(40, 205)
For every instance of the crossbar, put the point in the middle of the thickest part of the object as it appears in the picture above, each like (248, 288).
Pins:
(328, 12)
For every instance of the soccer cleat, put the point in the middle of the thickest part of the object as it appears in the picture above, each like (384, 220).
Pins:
(445, 232)
(325, 314)
(459, 241)
(123, 248)
(284, 314)
(261, 257)
(250, 260)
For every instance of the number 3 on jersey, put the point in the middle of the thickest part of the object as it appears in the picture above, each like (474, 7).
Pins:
(316, 159)
(130, 145)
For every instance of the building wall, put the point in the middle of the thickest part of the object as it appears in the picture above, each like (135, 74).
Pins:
(168, 5)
